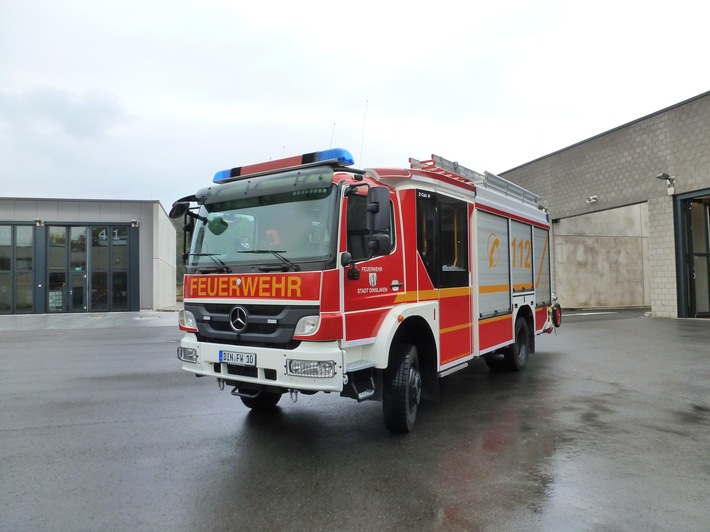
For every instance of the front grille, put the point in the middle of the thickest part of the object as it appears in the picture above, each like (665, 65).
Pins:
(263, 310)
(267, 325)
(243, 371)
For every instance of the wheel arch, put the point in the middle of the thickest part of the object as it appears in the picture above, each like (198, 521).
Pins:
(526, 312)
(416, 330)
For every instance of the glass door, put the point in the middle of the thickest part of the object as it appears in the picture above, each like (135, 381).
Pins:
(66, 263)
(16, 269)
(77, 275)
(57, 269)
(110, 266)
(700, 258)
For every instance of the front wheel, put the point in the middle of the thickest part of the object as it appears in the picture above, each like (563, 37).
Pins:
(516, 356)
(263, 401)
(402, 390)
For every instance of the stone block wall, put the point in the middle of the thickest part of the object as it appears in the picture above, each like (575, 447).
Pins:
(619, 168)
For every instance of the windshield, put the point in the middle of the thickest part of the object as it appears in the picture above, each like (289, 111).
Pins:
(276, 222)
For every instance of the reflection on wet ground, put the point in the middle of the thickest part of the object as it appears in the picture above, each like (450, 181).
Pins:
(607, 429)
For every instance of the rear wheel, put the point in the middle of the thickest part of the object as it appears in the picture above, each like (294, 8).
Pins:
(516, 356)
(263, 401)
(402, 390)
(494, 361)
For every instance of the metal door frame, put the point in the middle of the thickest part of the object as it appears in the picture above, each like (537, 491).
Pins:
(684, 252)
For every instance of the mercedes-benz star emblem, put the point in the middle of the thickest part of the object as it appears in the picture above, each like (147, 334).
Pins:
(238, 319)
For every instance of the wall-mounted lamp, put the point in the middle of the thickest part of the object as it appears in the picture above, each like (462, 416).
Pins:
(592, 199)
(134, 223)
(670, 179)
(39, 223)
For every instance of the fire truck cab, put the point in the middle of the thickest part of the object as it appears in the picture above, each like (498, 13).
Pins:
(307, 275)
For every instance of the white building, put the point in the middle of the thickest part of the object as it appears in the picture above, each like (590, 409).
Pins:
(71, 255)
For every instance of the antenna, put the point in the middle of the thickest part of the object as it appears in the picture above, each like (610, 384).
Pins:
(332, 134)
(362, 139)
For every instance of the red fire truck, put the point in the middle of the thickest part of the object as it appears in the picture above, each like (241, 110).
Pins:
(307, 275)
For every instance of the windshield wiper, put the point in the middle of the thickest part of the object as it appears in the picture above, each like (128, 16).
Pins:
(221, 266)
(276, 253)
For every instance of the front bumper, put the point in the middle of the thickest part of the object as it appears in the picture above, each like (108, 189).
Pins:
(270, 369)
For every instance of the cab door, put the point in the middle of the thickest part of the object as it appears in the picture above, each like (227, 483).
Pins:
(374, 278)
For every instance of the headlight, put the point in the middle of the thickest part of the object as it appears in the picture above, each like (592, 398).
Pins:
(187, 354)
(186, 321)
(311, 368)
(307, 325)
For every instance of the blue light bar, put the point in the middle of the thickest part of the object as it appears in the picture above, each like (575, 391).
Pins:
(221, 176)
(336, 156)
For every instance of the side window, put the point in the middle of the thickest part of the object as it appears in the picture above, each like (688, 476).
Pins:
(428, 233)
(358, 231)
(454, 242)
(442, 238)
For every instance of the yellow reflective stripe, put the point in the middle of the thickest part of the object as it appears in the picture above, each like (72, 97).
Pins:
(495, 318)
(521, 287)
(456, 328)
(494, 288)
(432, 295)
(542, 259)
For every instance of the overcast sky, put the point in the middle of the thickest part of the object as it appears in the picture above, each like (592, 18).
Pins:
(147, 99)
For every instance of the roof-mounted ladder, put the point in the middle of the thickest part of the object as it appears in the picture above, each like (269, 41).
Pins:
(452, 169)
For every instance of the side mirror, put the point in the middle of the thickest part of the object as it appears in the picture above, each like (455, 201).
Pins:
(380, 244)
(378, 207)
(178, 209)
(346, 259)
(181, 206)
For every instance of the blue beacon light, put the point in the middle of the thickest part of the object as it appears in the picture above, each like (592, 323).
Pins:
(337, 156)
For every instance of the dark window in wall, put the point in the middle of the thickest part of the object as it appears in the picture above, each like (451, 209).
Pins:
(110, 268)
(16, 269)
(6, 284)
(24, 268)
(57, 265)
(119, 268)
(119, 300)
(89, 268)
(78, 249)
(99, 291)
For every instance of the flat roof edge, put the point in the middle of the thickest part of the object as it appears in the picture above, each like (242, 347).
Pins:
(617, 128)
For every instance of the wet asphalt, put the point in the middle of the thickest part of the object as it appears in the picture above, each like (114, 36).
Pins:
(608, 428)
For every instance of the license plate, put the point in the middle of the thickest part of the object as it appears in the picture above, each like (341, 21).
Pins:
(238, 359)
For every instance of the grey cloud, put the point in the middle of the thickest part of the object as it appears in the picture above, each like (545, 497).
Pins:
(84, 116)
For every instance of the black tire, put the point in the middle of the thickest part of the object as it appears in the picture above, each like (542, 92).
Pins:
(263, 401)
(516, 356)
(495, 362)
(402, 390)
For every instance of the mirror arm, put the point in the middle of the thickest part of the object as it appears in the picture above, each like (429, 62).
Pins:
(346, 259)
(353, 272)
(195, 216)
(185, 226)
(351, 188)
